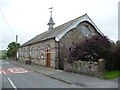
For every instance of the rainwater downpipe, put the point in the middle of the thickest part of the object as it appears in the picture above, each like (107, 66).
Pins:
(58, 55)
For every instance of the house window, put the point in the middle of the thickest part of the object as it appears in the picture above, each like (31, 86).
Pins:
(35, 52)
(27, 52)
(24, 52)
(39, 52)
(32, 52)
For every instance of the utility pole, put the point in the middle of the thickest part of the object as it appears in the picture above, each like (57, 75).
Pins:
(16, 40)
(16, 47)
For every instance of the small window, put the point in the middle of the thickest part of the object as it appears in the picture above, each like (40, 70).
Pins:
(42, 56)
(48, 46)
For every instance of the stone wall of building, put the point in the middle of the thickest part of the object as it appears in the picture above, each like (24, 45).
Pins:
(89, 68)
(37, 52)
(73, 37)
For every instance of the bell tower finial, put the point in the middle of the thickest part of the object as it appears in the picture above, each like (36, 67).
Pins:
(51, 22)
(51, 11)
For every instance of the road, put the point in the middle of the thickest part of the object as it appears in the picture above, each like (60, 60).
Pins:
(19, 77)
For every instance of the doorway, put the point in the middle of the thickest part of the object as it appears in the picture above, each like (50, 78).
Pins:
(48, 58)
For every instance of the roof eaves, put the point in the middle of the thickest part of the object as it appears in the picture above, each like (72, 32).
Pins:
(80, 19)
(98, 30)
(36, 42)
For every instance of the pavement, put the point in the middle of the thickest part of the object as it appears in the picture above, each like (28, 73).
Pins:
(69, 77)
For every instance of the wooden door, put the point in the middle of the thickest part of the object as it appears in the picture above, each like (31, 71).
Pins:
(48, 57)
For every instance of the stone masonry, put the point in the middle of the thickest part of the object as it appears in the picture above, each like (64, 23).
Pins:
(37, 52)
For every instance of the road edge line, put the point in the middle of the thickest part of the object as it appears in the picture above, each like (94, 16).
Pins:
(12, 84)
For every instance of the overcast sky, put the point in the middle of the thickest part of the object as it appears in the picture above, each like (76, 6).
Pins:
(27, 18)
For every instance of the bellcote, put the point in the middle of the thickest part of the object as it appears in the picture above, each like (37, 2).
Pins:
(51, 22)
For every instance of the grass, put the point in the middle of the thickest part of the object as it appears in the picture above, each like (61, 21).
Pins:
(112, 74)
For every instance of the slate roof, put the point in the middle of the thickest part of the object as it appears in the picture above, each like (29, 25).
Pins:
(58, 32)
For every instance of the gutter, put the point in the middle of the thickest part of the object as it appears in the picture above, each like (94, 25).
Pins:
(35, 42)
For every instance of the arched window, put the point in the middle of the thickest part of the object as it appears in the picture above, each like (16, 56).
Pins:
(33, 52)
(27, 52)
(39, 52)
(24, 52)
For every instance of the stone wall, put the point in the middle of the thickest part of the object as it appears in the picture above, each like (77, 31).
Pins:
(72, 37)
(37, 52)
(89, 68)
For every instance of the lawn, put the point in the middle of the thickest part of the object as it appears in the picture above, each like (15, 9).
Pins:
(112, 74)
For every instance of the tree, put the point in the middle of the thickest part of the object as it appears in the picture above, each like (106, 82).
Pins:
(113, 61)
(12, 49)
(91, 49)
(117, 56)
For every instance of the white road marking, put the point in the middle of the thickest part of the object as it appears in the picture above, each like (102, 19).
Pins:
(4, 72)
(17, 70)
(0, 72)
(12, 84)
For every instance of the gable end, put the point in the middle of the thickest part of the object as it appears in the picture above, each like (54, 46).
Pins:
(80, 20)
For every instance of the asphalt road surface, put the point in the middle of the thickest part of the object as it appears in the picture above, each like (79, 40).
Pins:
(19, 77)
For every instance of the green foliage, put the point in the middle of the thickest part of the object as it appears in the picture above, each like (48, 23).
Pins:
(112, 74)
(117, 55)
(90, 49)
(12, 52)
(13, 45)
(3, 54)
(12, 49)
(96, 48)
(113, 60)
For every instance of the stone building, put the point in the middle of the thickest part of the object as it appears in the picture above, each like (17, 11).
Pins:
(52, 47)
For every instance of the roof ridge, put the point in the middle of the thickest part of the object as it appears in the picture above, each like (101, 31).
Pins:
(53, 33)
(71, 20)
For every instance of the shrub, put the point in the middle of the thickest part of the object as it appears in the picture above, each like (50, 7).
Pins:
(90, 49)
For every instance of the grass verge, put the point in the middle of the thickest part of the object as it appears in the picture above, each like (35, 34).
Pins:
(112, 74)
